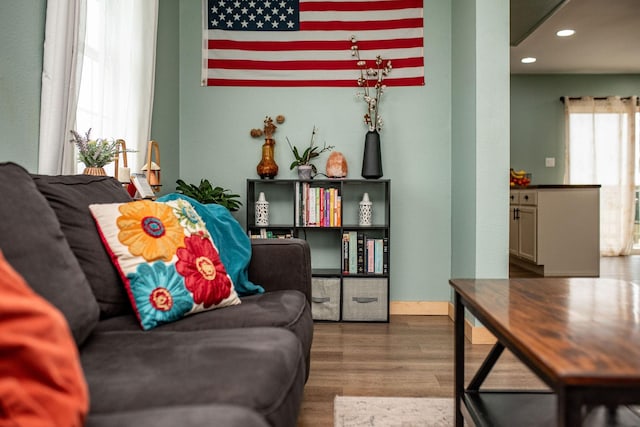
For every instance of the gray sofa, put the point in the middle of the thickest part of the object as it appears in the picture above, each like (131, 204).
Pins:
(244, 365)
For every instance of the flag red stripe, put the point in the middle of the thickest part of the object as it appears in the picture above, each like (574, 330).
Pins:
(361, 25)
(313, 45)
(409, 81)
(356, 6)
(239, 64)
(319, 50)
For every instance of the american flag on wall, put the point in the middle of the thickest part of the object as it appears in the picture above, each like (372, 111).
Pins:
(308, 42)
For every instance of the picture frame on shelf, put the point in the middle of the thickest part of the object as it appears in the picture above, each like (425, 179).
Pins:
(143, 189)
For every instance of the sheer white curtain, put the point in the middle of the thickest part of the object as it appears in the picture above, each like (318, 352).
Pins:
(601, 149)
(100, 78)
(116, 95)
(61, 71)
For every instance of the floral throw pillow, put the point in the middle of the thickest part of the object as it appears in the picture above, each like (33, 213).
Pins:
(166, 257)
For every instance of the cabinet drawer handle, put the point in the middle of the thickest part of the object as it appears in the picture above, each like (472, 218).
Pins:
(364, 300)
(320, 299)
(526, 197)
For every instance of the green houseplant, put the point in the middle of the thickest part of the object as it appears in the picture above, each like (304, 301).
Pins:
(303, 160)
(206, 193)
(95, 153)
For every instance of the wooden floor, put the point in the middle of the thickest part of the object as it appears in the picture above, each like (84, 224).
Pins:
(411, 356)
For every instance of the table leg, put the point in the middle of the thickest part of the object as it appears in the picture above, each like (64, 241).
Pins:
(486, 367)
(569, 409)
(459, 358)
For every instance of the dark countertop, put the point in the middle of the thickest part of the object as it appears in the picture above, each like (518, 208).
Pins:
(543, 186)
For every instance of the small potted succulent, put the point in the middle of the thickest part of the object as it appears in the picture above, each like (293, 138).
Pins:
(306, 169)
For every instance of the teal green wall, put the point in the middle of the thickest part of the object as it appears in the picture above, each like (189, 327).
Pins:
(165, 127)
(537, 116)
(22, 35)
(492, 138)
(480, 137)
(416, 144)
(204, 132)
(463, 177)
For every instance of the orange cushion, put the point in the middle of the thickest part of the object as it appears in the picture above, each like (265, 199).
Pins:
(41, 381)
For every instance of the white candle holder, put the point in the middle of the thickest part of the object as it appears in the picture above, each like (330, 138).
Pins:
(262, 211)
(366, 211)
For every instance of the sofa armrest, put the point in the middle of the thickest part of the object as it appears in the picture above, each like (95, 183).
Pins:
(279, 264)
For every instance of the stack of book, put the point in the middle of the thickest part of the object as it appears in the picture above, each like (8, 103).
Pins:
(362, 254)
(317, 206)
(270, 234)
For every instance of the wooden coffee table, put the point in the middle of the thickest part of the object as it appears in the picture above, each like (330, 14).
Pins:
(581, 336)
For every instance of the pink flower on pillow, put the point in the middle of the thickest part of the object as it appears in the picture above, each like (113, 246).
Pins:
(204, 274)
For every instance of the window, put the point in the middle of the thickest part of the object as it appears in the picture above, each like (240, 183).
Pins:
(116, 89)
(602, 148)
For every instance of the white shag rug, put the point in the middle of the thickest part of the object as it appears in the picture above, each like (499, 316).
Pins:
(353, 411)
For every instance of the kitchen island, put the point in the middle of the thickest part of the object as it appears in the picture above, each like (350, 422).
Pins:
(554, 230)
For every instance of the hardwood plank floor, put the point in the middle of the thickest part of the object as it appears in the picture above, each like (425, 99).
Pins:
(411, 356)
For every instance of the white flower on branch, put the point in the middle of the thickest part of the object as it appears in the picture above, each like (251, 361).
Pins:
(370, 81)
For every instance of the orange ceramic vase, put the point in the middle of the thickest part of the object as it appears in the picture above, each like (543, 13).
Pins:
(267, 168)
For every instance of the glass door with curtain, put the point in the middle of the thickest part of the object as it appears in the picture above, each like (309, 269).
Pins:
(602, 148)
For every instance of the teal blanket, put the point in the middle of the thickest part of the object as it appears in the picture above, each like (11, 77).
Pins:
(230, 239)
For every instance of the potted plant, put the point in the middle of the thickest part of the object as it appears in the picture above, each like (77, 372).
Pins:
(95, 153)
(207, 193)
(306, 169)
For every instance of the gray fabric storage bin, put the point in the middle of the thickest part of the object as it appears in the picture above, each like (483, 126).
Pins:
(364, 299)
(325, 298)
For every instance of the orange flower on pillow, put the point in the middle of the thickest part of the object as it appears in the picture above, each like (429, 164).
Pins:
(150, 230)
(204, 274)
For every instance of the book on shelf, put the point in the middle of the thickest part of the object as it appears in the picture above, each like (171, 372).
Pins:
(263, 233)
(385, 255)
(317, 206)
(379, 254)
(370, 255)
(297, 205)
(345, 253)
(360, 251)
(353, 252)
(362, 254)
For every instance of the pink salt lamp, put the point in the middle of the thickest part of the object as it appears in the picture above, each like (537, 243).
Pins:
(336, 165)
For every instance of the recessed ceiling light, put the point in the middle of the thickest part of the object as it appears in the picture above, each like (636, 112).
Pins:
(528, 60)
(565, 33)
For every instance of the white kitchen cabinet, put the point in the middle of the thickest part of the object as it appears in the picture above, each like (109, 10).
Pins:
(554, 230)
(523, 226)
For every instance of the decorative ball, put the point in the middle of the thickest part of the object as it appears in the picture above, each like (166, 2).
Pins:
(336, 165)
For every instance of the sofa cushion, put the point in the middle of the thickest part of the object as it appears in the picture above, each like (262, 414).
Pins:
(231, 240)
(41, 382)
(70, 197)
(258, 368)
(184, 416)
(282, 309)
(166, 258)
(34, 244)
